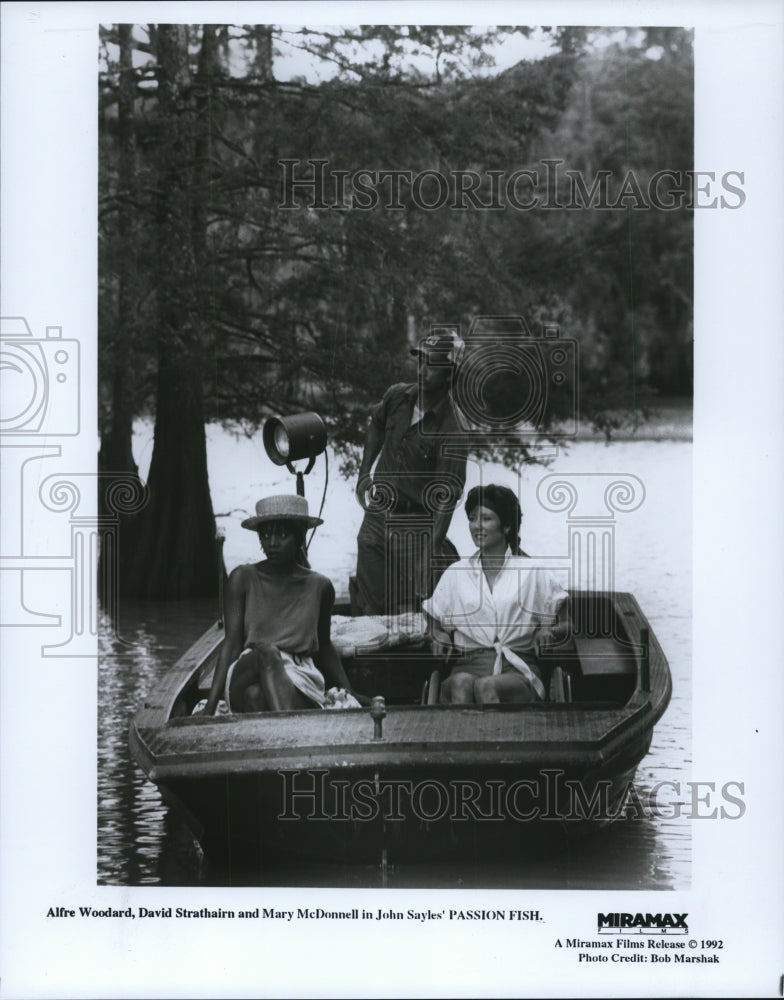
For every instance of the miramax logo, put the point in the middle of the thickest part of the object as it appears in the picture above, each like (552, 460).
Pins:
(642, 923)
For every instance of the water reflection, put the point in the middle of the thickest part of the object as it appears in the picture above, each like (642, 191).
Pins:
(141, 842)
(583, 864)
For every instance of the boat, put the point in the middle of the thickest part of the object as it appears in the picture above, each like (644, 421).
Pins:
(409, 778)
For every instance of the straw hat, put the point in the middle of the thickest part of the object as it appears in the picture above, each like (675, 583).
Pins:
(285, 507)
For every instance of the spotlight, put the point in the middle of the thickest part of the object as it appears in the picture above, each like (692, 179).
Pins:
(287, 439)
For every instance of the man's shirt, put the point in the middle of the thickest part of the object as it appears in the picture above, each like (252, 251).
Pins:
(424, 461)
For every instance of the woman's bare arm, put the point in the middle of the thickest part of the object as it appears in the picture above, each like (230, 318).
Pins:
(234, 627)
(327, 659)
(441, 639)
(553, 635)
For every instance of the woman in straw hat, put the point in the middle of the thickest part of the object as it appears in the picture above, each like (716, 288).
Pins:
(277, 652)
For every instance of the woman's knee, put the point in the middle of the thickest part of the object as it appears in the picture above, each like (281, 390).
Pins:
(485, 689)
(252, 699)
(461, 687)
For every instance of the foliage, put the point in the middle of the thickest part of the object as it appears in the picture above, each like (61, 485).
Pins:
(252, 308)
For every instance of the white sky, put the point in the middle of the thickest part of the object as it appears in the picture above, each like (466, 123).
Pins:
(291, 61)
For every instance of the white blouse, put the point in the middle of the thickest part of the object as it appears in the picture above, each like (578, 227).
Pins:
(505, 617)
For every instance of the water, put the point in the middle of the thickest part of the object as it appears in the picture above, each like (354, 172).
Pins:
(142, 843)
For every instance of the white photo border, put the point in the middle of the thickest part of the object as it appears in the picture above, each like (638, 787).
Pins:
(48, 761)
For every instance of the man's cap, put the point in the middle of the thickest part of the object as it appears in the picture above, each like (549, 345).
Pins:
(441, 345)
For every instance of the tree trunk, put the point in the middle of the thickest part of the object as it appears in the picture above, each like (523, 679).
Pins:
(116, 454)
(174, 552)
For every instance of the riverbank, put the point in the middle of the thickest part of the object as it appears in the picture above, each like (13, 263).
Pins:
(670, 419)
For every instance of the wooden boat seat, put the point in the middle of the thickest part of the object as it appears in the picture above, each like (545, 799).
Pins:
(591, 669)
(604, 668)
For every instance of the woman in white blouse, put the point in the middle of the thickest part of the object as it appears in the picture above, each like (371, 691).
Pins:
(495, 611)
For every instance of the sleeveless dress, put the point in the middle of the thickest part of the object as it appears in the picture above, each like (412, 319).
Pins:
(284, 611)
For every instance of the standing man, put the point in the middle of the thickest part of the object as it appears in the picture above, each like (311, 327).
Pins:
(418, 436)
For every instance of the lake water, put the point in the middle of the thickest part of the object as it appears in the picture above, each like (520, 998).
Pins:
(140, 842)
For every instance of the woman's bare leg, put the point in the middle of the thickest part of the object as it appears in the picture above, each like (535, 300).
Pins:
(461, 688)
(507, 688)
(259, 683)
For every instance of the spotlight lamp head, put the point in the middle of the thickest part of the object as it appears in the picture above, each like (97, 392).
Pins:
(287, 439)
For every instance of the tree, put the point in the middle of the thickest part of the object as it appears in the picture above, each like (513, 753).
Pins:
(168, 550)
(116, 455)
(216, 304)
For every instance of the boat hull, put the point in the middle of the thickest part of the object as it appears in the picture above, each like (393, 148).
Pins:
(431, 781)
(398, 815)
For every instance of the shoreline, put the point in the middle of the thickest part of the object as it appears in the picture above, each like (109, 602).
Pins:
(670, 420)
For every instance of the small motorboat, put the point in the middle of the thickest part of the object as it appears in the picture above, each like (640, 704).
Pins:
(409, 778)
